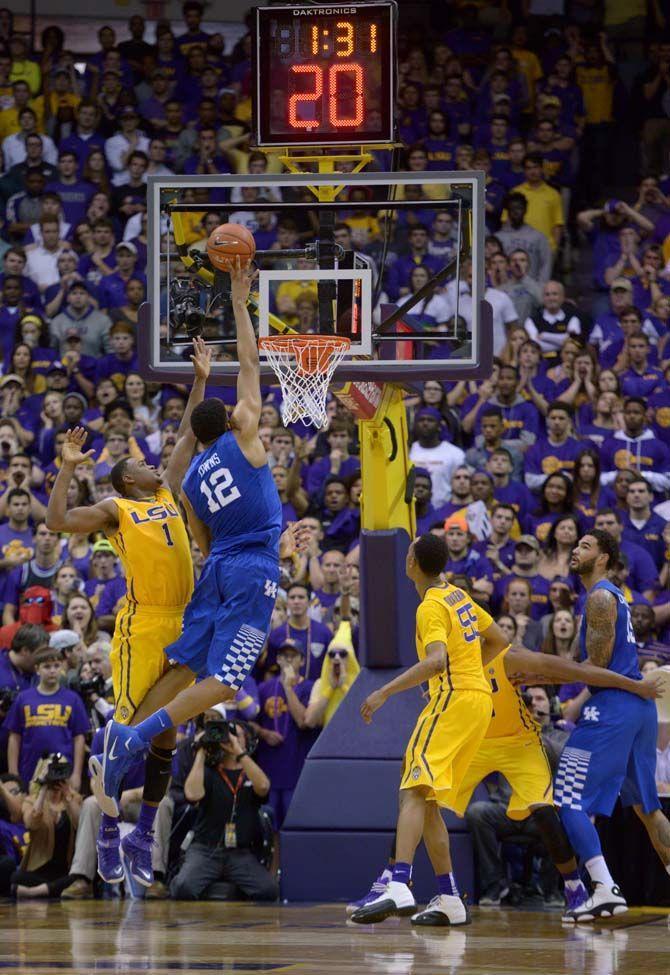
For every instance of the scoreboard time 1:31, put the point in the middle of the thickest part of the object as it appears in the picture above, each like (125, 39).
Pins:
(325, 75)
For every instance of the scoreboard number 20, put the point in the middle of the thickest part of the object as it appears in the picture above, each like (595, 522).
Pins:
(325, 74)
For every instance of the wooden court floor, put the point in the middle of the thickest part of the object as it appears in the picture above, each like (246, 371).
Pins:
(193, 938)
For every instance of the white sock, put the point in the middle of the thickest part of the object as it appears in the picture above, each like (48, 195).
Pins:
(667, 868)
(599, 872)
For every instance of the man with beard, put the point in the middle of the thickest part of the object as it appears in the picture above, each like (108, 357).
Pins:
(612, 751)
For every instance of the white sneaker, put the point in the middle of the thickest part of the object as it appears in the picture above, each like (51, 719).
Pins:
(603, 902)
(379, 887)
(396, 900)
(443, 911)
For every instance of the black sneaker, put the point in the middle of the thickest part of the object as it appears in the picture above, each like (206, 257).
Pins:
(493, 895)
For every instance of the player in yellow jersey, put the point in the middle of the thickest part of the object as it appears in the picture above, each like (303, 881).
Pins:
(512, 746)
(147, 531)
(452, 636)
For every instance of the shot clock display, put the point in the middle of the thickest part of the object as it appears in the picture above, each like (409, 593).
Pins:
(325, 74)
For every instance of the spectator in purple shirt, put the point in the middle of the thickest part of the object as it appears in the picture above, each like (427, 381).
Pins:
(338, 462)
(641, 525)
(46, 718)
(397, 278)
(641, 574)
(635, 447)
(556, 451)
(16, 536)
(84, 137)
(284, 739)
(640, 379)
(17, 664)
(312, 636)
(122, 360)
(75, 194)
(464, 558)
(192, 12)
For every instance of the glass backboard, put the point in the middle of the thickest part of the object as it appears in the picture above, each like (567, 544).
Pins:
(393, 261)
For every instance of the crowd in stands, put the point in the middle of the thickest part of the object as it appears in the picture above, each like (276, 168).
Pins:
(571, 430)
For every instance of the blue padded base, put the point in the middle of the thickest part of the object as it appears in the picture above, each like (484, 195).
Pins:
(340, 866)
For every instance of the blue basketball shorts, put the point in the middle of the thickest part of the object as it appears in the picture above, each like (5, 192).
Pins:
(611, 752)
(228, 619)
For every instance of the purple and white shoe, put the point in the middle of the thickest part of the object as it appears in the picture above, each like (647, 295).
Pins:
(136, 851)
(108, 844)
(379, 887)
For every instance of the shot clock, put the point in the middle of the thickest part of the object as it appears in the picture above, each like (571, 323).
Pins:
(325, 74)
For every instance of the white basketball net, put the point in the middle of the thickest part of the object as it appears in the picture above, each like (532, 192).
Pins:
(304, 366)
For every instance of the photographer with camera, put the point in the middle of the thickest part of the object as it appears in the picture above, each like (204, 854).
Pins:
(230, 788)
(50, 814)
(45, 718)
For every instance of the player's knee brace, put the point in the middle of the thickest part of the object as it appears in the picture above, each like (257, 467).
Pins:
(554, 837)
(157, 773)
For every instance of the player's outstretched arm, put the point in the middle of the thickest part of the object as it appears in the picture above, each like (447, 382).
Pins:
(524, 665)
(99, 517)
(183, 451)
(435, 663)
(247, 412)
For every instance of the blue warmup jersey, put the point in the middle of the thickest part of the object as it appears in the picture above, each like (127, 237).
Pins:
(238, 502)
(612, 751)
(228, 619)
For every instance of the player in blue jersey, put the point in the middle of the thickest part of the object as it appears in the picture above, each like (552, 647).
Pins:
(235, 515)
(612, 751)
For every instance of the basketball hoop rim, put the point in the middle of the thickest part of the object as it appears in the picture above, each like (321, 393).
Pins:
(298, 345)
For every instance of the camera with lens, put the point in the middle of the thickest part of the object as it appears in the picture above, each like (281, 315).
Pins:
(185, 307)
(58, 769)
(216, 734)
(94, 685)
(7, 695)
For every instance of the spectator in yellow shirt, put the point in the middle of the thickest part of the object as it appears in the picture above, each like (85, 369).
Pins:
(9, 118)
(545, 210)
(23, 69)
(58, 95)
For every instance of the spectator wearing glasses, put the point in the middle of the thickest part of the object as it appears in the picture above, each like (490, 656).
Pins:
(340, 670)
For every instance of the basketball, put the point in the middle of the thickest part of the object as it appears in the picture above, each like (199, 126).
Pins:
(227, 242)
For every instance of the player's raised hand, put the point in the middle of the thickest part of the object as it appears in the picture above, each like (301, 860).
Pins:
(372, 703)
(201, 359)
(73, 449)
(241, 276)
(294, 539)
